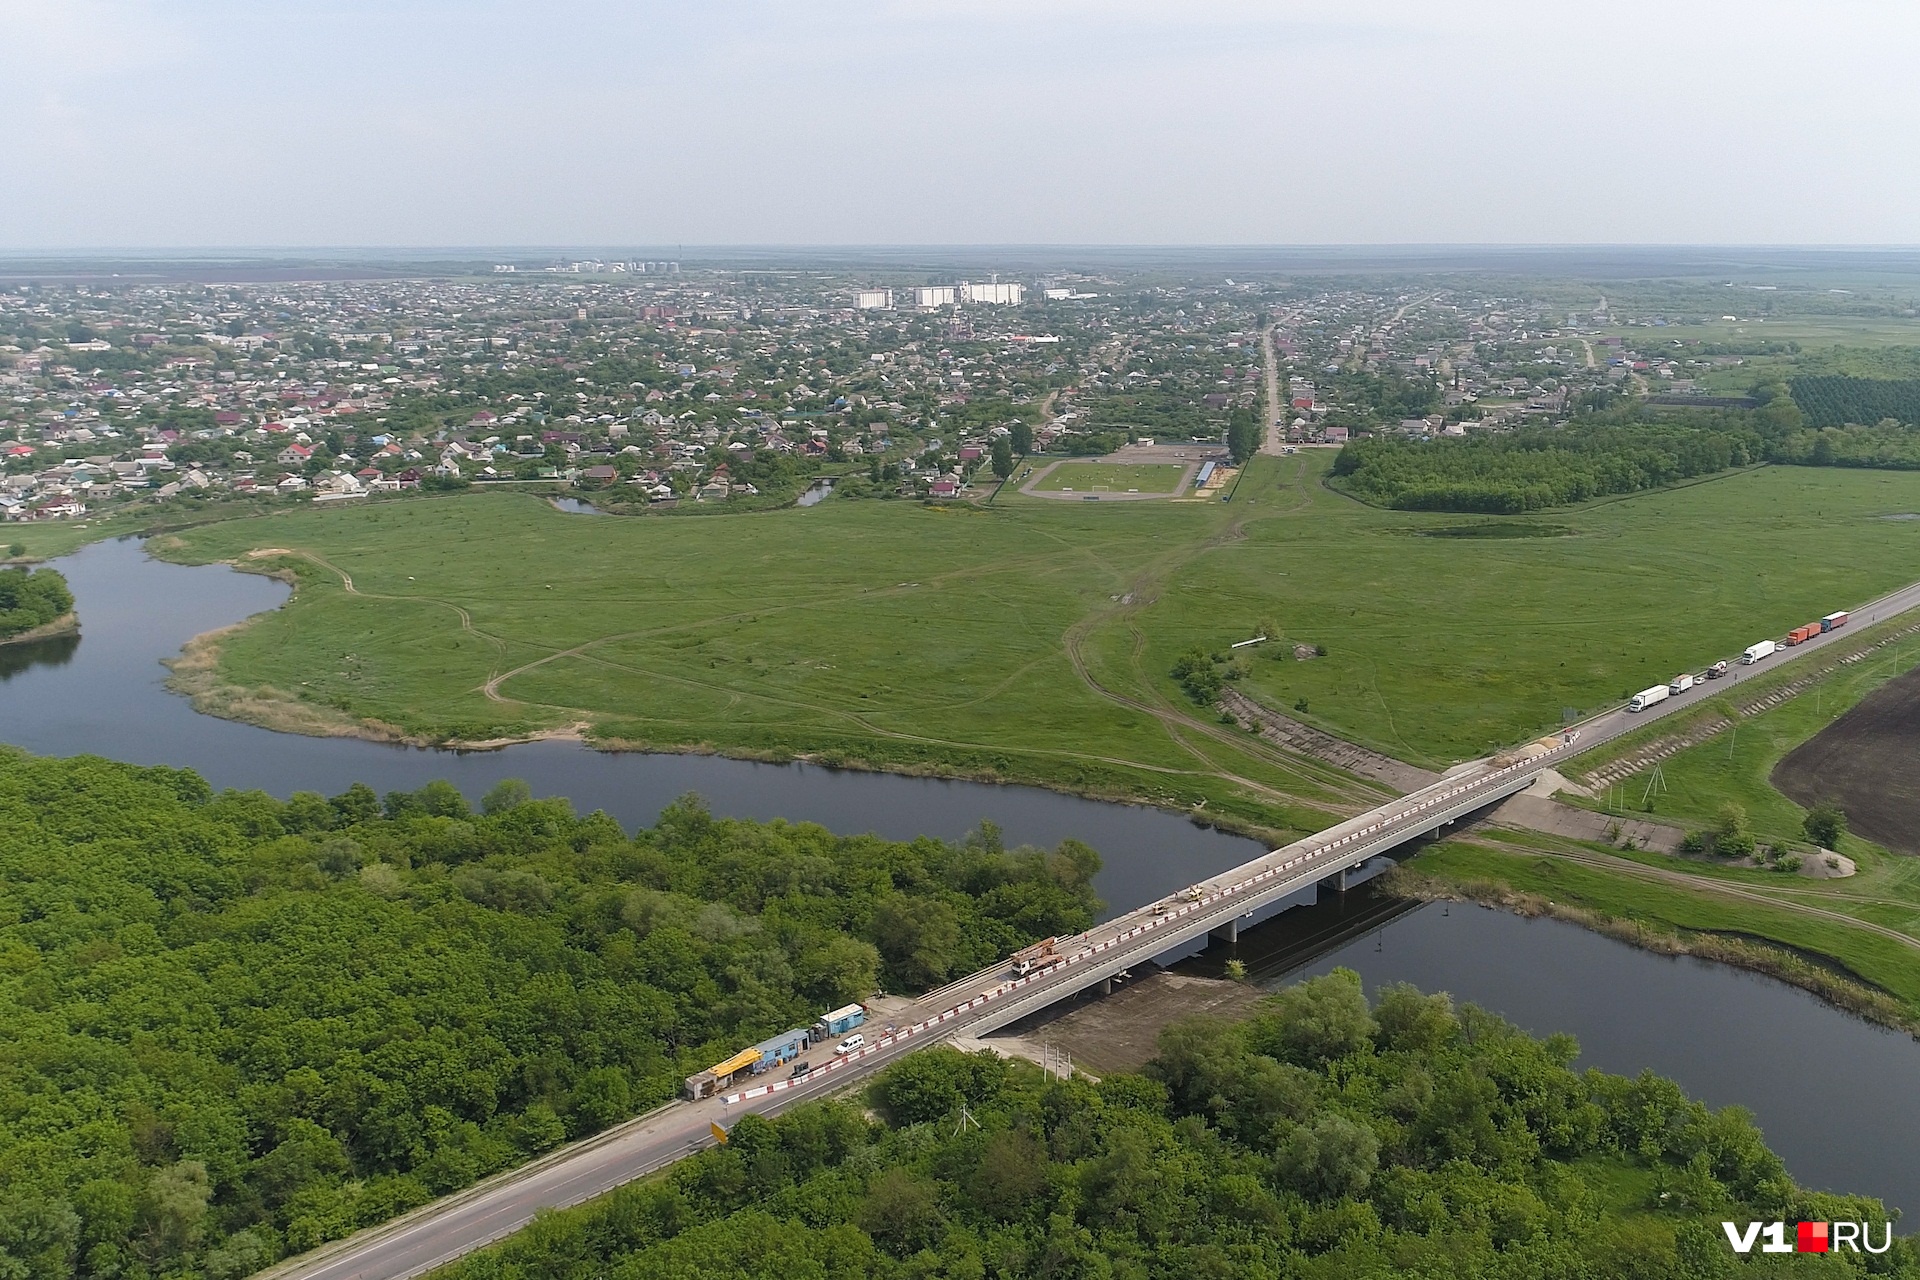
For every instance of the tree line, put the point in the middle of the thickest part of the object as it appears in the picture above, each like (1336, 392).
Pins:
(1526, 470)
(1324, 1137)
(232, 1027)
(1817, 421)
(31, 598)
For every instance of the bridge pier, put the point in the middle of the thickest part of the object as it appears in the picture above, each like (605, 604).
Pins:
(1228, 932)
(1106, 986)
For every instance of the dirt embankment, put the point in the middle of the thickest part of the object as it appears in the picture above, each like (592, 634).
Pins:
(66, 624)
(1868, 763)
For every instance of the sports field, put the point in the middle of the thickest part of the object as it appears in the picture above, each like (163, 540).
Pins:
(1035, 639)
(1112, 477)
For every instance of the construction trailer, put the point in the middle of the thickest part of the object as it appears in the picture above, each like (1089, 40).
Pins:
(784, 1047)
(720, 1075)
(839, 1021)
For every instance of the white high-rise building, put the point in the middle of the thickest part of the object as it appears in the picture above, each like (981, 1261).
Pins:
(1004, 295)
(874, 300)
(938, 295)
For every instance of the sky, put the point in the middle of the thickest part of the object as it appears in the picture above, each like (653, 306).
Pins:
(254, 123)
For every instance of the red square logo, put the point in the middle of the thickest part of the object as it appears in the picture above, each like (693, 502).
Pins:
(1812, 1238)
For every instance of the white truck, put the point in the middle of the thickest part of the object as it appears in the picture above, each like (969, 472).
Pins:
(1754, 652)
(1647, 697)
(1680, 683)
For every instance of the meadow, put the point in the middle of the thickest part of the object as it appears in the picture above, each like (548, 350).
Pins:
(1034, 640)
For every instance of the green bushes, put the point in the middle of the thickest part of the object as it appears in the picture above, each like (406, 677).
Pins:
(232, 1027)
(1322, 1138)
(31, 598)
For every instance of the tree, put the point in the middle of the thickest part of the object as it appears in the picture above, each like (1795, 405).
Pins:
(1731, 838)
(1321, 1018)
(1331, 1157)
(901, 1212)
(1022, 438)
(1002, 458)
(1011, 1176)
(1243, 434)
(1825, 824)
(508, 793)
(919, 938)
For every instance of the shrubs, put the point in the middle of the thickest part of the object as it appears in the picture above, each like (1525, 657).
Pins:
(1199, 674)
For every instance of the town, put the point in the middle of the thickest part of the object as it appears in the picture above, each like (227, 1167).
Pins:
(716, 388)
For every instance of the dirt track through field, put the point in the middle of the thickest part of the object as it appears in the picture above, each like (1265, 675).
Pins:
(1868, 763)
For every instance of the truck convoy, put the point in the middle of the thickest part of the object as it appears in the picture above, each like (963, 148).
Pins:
(1751, 654)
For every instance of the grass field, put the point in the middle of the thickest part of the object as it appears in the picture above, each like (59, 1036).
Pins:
(1113, 477)
(1034, 640)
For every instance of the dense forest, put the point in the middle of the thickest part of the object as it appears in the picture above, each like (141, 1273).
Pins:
(232, 1027)
(1323, 1138)
(1529, 469)
(1629, 448)
(31, 598)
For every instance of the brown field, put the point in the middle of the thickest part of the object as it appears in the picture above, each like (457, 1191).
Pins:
(1868, 763)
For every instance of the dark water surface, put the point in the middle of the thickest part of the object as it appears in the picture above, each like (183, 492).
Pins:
(107, 696)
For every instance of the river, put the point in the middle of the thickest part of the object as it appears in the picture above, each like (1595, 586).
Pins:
(1831, 1092)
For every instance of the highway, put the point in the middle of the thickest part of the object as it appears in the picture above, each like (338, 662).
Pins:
(994, 998)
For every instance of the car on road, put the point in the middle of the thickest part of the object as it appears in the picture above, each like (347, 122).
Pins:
(851, 1043)
(801, 1069)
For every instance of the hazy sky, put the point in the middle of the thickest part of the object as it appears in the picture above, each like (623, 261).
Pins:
(493, 122)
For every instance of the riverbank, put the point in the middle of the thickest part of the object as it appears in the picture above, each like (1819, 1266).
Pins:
(196, 674)
(67, 624)
(1755, 954)
(1221, 799)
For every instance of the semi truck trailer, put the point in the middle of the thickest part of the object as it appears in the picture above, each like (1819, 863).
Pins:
(1834, 621)
(1754, 652)
(1647, 697)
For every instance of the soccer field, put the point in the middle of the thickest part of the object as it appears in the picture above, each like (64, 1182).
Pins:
(1112, 477)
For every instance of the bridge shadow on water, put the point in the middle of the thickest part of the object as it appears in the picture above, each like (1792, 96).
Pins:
(1288, 942)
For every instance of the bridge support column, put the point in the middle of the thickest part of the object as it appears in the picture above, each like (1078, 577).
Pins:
(1228, 932)
(1106, 986)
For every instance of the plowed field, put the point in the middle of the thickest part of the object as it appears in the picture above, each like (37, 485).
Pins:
(1868, 763)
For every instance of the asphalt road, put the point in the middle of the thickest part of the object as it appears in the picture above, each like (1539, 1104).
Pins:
(447, 1229)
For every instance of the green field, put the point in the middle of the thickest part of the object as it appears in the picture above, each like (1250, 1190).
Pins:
(1034, 640)
(1114, 477)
